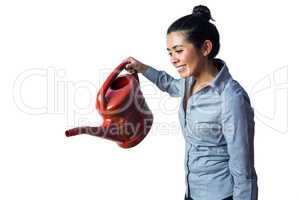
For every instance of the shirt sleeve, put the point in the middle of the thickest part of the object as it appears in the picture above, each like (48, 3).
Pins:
(238, 129)
(165, 82)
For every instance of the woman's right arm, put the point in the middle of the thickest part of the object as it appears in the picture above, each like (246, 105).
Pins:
(164, 81)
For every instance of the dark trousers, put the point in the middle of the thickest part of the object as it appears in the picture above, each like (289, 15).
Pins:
(228, 198)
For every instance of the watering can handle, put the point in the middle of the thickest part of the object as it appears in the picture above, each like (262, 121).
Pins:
(114, 74)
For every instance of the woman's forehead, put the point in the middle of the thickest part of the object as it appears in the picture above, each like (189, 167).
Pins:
(175, 39)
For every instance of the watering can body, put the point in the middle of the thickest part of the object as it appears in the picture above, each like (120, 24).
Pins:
(127, 118)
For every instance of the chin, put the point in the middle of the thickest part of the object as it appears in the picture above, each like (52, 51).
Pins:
(184, 75)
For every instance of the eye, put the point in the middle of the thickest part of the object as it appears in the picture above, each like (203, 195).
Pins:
(177, 51)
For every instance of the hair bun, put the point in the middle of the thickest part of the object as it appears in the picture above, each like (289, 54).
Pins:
(203, 12)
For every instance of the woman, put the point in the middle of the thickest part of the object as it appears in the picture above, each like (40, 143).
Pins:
(215, 112)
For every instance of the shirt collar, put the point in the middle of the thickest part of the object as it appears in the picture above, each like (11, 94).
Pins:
(222, 76)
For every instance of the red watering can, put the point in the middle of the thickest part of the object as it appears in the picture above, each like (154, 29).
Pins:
(126, 117)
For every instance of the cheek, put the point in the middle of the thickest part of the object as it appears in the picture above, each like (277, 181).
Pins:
(186, 57)
(196, 59)
(189, 56)
(190, 60)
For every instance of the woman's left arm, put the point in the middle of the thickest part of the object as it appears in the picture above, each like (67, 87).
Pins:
(238, 129)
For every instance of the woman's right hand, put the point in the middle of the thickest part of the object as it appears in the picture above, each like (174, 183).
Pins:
(134, 65)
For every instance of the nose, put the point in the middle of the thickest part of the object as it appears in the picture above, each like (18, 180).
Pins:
(174, 59)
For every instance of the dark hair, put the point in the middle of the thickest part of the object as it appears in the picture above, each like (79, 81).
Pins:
(197, 29)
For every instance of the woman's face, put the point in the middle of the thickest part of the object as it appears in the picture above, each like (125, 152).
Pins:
(183, 55)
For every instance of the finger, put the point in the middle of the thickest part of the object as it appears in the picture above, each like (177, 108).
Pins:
(127, 60)
(128, 67)
(130, 71)
(132, 60)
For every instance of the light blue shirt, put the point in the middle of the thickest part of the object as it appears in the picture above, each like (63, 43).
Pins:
(218, 128)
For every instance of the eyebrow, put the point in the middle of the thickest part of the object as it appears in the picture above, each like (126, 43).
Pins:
(174, 47)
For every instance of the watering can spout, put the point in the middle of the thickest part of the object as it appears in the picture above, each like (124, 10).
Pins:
(104, 132)
(99, 131)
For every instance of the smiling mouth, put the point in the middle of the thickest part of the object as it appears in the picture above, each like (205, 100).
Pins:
(180, 68)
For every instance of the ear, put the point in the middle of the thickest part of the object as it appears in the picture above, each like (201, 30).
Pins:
(206, 47)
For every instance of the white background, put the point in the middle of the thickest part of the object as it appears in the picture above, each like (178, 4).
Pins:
(55, 55)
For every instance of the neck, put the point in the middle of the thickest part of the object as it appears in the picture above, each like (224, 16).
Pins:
(206, 73)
